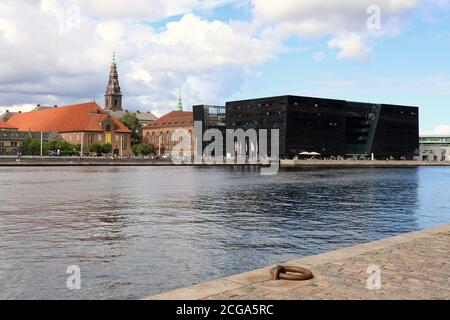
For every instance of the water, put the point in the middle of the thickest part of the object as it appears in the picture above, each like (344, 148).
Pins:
(139, 231)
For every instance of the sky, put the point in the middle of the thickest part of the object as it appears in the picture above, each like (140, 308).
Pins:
(382, 51)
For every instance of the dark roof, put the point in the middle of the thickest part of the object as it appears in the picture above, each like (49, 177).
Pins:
(14, 135)
(141, 116)
(5, 116)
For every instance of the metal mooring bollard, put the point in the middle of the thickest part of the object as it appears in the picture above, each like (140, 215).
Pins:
(291, 273)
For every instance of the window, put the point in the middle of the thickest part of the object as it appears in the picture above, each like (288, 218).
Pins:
(108, 138)
(99, 138)
(117, 138)
(124, 142)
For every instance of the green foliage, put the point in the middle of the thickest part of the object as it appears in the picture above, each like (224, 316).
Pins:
(146, 149)
(131, 122)
(33, 147)
(136, 149)
(107, 148)
(96, 148)
(143, 149)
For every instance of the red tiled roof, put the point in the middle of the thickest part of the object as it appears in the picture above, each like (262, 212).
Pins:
(77, 118)
(6, 125)
(173, 119)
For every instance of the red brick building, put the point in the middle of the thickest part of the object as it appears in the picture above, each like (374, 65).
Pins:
(84, 124)
(159, 133)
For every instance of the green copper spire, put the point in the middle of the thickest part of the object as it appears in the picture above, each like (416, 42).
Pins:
(180, 103)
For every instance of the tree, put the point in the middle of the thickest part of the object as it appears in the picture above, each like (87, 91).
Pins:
(107, 148)
(65, 147)
(31, 147)
(136, 149)
(96, 148)
(146, 149)
(143, 149)
(132, 122)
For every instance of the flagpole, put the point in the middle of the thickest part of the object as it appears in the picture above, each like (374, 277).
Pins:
(82, 144)
(121, 145)
(42, 138)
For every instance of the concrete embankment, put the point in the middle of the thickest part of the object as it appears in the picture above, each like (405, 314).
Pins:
(46, 162)
(360, 163)
(410, 266)
(89, 162)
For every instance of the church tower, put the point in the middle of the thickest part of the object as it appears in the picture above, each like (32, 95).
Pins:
(113, 95)
(180, 103)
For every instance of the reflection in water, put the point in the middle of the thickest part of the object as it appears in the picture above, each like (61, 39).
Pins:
(131, 229)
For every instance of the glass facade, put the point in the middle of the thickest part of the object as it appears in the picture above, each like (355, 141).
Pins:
(397, 132)
(361, 120)
(211, 117)
(315, 125)
(331, 127)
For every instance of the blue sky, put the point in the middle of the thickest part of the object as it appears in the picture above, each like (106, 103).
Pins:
(221, 50)
(412, 68)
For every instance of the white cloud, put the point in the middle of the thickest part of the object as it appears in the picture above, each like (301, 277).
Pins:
(345, 21)
(41, 61)
(144, 9)
(351, 46)
(49, 55)
(315, 17)
(17, 108)
(442, 129)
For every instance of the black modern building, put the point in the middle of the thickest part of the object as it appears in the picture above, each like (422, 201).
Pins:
(331, 127)
(211, 117)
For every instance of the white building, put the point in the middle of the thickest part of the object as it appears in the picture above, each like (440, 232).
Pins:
(434, 148)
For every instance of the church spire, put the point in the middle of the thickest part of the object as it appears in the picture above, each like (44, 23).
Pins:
(113, 95)
(180, 103)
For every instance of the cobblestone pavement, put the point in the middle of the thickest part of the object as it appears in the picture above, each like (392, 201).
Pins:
(411, 266)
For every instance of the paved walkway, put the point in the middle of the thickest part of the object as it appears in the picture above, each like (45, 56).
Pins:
(361, 163)
(413, 266)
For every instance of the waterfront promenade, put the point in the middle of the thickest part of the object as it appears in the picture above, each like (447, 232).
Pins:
(73, 161)
(413, 266)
